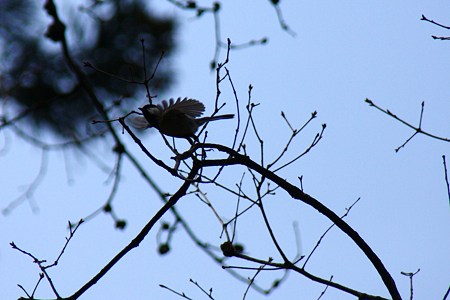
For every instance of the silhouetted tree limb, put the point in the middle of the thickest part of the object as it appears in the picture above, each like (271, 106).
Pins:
(418, 129)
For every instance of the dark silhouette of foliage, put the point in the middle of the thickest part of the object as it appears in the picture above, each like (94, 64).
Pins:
(38, 81)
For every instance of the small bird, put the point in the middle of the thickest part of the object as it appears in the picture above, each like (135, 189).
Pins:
(177, 118)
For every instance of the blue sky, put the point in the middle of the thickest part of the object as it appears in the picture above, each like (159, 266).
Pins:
(343, 52)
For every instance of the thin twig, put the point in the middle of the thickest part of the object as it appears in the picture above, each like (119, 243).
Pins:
(202, 289)
(446, 178)
(417, 129)
(32, 187)
(281, 20)
(204, 198)
(72, 233)
(423, 18)
(326, 288)
(182, 295)
(314, 142)
(326, 231)
(410, 275)
(251, 280)
(295, 132)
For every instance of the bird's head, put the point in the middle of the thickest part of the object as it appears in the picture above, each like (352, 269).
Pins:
(152, 114)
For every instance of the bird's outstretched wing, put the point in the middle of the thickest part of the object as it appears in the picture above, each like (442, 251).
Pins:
(191, 107)
(138, 122)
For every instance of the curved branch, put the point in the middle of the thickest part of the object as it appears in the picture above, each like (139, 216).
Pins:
(296, 193)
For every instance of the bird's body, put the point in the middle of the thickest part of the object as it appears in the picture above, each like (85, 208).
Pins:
(178, 118)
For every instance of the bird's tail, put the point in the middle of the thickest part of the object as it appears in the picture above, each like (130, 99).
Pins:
(202, 121)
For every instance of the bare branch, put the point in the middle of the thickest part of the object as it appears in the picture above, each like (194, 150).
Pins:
(209, 295)
(411, 289)
(32, 187)
(295, 132)
(417, 129)
(296, 193)
(281, 20)
(72, 233)
(446, 178)
(326, 288)
(144, 232)
(44, 268)
(182, 295)
(251, 280)
(423, 18)
(326, 231)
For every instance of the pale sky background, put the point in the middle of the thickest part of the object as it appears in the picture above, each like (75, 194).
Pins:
(344, 52)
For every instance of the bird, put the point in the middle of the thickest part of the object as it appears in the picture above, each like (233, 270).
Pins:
(176, 118)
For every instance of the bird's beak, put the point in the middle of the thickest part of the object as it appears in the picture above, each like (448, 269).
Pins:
(141, 109)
